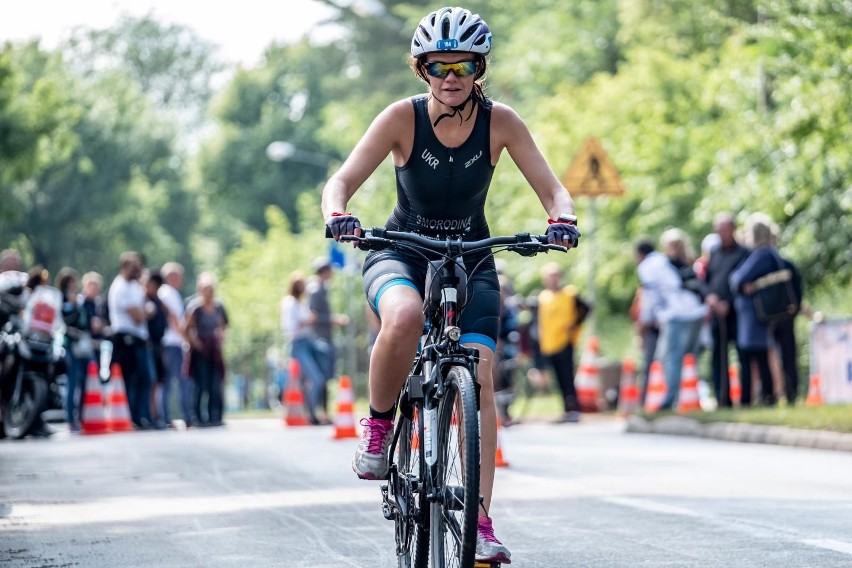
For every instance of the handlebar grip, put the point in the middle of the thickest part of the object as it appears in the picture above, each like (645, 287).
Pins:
(328, 233)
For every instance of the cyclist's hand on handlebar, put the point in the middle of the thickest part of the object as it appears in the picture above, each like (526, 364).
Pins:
(563, 231)
(340, 224)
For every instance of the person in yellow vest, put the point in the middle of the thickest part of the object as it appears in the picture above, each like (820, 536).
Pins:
(561, 313)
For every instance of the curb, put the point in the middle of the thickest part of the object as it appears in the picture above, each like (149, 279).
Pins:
(739, 432)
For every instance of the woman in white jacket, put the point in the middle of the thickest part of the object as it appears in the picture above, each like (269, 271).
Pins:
(677, 311)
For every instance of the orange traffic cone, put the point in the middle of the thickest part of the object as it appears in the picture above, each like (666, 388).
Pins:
(734, 385)
(344, 420)
(687, 399)
(92, 420)
(294, 400)
(118, 411)
(499, 460)
(655, 393)
(628, 393)
(814, 392)
(588, 382)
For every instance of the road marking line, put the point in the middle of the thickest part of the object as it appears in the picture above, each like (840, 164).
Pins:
(740, 525)
(835, 545)
(652, 506)
(127, 509)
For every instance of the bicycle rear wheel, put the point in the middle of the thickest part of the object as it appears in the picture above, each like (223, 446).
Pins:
(454, 515)
(412, 527)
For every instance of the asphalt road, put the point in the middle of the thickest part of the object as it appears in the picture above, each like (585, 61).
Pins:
(259, 494)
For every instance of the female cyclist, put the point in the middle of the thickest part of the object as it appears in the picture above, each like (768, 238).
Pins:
(445, 145)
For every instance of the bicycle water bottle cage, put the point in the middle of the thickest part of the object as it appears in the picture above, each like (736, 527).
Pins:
(435, 285)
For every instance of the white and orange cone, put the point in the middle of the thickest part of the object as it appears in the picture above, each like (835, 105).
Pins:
(92, 420)
(588, 381)
(655, 393)
(687, 400)
(344, 419)
(118, 410)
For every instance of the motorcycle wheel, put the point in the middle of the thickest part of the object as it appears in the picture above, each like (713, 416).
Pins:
(20, 417)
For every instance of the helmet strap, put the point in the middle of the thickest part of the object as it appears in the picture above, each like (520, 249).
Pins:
(456, 109)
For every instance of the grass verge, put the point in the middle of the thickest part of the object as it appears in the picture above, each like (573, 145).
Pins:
(835, 418)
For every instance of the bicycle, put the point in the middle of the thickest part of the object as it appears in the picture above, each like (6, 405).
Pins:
(434, 454)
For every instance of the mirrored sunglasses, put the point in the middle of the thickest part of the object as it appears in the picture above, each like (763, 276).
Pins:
(440, 69)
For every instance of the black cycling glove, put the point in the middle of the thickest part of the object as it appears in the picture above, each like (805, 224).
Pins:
(343, 224)
(565, 227)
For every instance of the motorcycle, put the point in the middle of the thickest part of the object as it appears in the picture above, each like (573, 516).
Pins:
(32, 356)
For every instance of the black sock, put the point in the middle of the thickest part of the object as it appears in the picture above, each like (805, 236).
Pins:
(388, 415)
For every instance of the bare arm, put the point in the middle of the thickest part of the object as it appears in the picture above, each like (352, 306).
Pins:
(514, 135)
(381, 138)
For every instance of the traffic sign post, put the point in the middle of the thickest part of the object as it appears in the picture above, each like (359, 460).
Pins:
(591, 174)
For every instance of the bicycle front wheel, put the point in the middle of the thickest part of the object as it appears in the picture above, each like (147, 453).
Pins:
(454, 512)
(412, 526)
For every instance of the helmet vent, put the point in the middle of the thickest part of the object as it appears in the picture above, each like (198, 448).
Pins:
(479, 41)
(469, 32)
(425, 33)
(445, 28)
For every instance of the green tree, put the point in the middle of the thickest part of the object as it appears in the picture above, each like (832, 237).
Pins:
(170, 63)
(284, 99)
(103, 181)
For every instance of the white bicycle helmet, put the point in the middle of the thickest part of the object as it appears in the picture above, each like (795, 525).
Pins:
(451, 29)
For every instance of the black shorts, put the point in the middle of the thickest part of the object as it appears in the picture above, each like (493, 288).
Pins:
(480, 318)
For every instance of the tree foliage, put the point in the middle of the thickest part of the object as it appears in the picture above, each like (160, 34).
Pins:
(703, 106)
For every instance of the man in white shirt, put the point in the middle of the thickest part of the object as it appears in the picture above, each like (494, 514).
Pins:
(173, 346)
(128, 321)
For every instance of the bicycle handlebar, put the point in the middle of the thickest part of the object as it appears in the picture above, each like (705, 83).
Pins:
(379, 238)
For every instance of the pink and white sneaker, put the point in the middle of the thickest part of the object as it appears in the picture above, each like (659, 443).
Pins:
(371, 457)
(488, 548)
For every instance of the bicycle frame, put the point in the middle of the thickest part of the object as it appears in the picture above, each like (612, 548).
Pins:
(416, 492)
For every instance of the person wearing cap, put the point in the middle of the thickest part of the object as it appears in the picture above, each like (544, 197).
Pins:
(322, 327)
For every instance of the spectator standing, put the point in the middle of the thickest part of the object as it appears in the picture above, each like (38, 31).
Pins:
(559, 322)
(173, 346)
(296, 322)
(206, 322)
(724, 259)
(158, 322)
(323, 323)
(78, 345)
(129, 324)
(93, 304)
(708, 244)
(783, 333)
(507, 350)
(644, 312)
(677, 309)
(752, 335)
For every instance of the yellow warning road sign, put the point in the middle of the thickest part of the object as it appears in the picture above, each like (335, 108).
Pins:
(591, 173)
